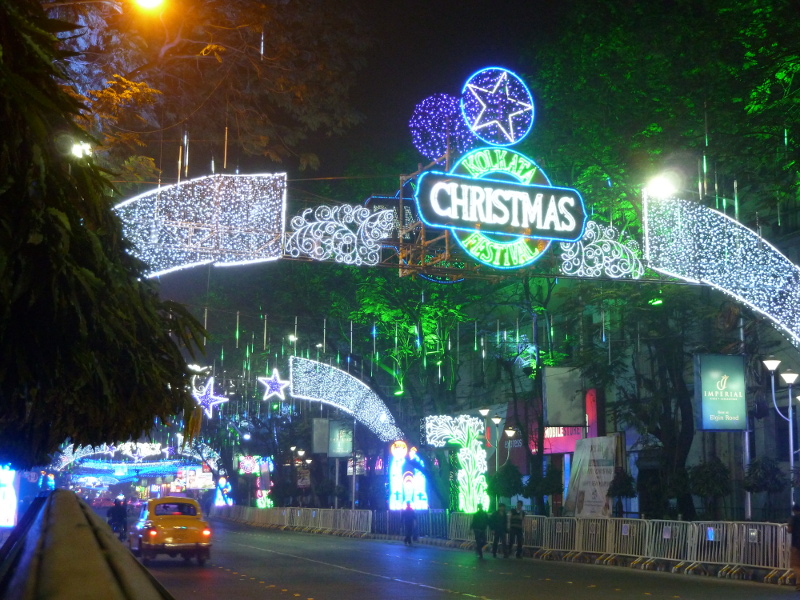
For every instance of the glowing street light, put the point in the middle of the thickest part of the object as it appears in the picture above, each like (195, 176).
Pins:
(662, 186)
(789, 378)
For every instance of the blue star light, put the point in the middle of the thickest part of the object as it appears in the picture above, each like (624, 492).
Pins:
(497, 106)
(274, 384)
(206, 398)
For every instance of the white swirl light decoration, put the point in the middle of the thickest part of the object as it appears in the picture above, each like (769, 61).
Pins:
(463, 431)
(312, 380)
(200, 452)
(70, 454)
(701, 245)
(601, 251)
(347, 234)
(221, 219)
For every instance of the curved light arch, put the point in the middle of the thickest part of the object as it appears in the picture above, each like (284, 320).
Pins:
(313, 380)
(698, 244)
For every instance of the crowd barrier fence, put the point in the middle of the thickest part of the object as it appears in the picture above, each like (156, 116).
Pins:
(722, 548)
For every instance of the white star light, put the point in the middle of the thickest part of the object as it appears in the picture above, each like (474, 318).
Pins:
(497, 106)
(275, 385)
(206, 398)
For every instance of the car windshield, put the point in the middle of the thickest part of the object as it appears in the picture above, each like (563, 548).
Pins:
(176, 508)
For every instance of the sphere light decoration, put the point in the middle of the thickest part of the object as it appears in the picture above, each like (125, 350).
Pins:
(497, 106)
(221, 219)
(465, 432)
(438, 127)
(695, 243)
(312, 380)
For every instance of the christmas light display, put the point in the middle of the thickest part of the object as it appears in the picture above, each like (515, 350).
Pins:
(602, 251)
(274, 385)
(695, 243)
(437, 127)
(497, 106)
(220, 219)
(407, 482)
(206, 399)
(347, 234)
(312, 380)
(464, 432)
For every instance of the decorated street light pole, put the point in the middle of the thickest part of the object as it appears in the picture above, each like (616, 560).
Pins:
(789, 378)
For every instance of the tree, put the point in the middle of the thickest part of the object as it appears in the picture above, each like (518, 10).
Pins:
(90, 353)
(507, 482)
(711, 480)
(623, 485)
(263, 76)
(764, 475)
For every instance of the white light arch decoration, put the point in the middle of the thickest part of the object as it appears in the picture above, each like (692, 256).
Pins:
(312, 380)
(137, 452)
(698, 244)
(221, 219)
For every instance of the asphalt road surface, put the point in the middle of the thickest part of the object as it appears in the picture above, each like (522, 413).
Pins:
(267, 564)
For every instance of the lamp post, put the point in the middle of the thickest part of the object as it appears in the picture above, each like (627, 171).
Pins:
(789, 378)
(510, 433)
(772, 364)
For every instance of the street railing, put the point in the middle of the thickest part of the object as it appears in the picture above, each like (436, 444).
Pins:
(726, 549)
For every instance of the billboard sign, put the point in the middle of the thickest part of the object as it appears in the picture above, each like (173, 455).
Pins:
(720, 392)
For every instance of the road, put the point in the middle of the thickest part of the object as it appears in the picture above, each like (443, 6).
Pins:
(267, 564)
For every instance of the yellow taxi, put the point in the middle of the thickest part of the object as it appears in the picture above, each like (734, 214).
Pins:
(173, 526)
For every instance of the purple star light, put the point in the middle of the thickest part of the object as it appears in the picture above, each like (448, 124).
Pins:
(274, 384)
(497, 106)
(206, 398)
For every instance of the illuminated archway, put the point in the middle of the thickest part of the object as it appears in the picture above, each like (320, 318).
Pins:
(698, 244)
(312, 380)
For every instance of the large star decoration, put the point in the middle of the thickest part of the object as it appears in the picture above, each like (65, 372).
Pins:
(206, 398)
(275, 385)
(501, 106)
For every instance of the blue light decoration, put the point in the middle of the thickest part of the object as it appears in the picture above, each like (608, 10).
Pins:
(222, 497)
(206, 399)
(274, 385)
(497, 106)
(438, 128)
(407, 482)
(8, 497)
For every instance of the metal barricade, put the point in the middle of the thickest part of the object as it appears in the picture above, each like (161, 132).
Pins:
(760, 545)
(626, 538)
(459, 527)
(533, 527)
(712, 543)
(560, 534)
(591, 536)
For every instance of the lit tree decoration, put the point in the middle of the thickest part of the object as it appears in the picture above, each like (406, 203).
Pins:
(314, 380)
(346, 234)
(274, 385)
(206, 399)
(497, 106)
(465, 432)
(221, 219)
(698, 244)
(437, 126)
(602, 251)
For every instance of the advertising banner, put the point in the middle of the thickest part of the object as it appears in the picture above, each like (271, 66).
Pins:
(341, 439)
(320, 436)
(720, 392)
(591, 474)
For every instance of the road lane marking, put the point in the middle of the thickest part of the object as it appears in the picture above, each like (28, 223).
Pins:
(359, 571)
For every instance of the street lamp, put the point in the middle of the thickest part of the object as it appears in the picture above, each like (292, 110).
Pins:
(772, 364)
(789, 378)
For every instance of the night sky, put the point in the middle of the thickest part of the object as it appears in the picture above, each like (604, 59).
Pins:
(428, 47)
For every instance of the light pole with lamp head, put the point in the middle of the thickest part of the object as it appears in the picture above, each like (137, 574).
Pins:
(789, 378)
(772, 364)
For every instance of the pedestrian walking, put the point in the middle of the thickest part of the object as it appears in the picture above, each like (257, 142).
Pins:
(515, 520)
(480, 521)
(794, 557)
(409, 519)
(499, 524)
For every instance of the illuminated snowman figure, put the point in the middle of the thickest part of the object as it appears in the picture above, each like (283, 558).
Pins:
(8, 498)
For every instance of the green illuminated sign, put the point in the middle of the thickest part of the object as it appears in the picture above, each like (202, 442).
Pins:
(500, 207)
(720, 392)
